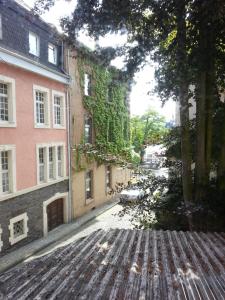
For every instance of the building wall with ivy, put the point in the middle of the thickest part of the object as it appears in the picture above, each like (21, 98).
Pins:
(108, 106)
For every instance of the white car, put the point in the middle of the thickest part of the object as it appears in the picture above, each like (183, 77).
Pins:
(132, 194)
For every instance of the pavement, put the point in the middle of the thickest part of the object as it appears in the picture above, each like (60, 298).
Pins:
(66, 233)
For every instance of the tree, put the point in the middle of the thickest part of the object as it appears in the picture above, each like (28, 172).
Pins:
(186, 39)
(148, 129)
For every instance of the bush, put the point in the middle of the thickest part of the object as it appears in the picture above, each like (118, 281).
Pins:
(162, 206)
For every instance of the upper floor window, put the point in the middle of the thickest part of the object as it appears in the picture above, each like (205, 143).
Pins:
(50, 162)
(34, 44)
(88, 130)
(0, 27)
(52, 54)
(58, 109)
(109, 95)
(7, 169)
(7, 102)
(87, 84)
(41, 105)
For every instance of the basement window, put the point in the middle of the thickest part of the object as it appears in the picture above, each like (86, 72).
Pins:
(18, 228)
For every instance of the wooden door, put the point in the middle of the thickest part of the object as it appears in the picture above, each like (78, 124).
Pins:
(55, 214)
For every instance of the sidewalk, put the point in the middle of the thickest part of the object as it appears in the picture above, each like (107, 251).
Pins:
(9, 260)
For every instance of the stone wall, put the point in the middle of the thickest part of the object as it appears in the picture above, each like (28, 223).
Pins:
(32, 204)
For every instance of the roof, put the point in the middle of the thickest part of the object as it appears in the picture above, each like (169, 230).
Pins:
(125, 264)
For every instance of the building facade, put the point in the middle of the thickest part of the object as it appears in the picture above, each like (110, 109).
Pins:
(99, 127)
(34, 197)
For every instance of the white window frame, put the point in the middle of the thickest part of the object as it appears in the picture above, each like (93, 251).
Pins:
(1, 242)
(87, 82)
(37, 88)
(12, 169)
(1, 35)
(55, 158)
(62, 109)
(55, 52)
(37, 52)
(12, 238)
(10, 82)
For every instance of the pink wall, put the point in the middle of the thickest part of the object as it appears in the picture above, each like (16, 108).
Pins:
(25, 136)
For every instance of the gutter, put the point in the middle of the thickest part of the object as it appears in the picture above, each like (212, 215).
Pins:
(28, 64)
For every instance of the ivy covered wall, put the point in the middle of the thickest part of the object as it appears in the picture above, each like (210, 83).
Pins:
(109, 110)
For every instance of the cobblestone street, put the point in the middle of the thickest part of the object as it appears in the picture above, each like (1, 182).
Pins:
(108, 219)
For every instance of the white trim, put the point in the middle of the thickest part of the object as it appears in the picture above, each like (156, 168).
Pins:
(12, 239)
(28, 64)
(11, 101)
(12, 168)
(46, 147)
(46, 91)
(31, 189)
(1, 242)
(65, 210)
(61, 95)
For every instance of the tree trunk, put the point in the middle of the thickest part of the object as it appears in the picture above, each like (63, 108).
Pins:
(221, 166)
(200, 167)
(184, 105)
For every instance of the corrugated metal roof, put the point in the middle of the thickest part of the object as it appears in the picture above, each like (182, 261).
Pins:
(125, 264)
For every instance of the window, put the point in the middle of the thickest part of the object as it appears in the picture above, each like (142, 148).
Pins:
(42, 163)
(7, 169)
(51, 168)
(109, 95)
(7, 102)
(34, 47)
(59, 117)
(18, 228)
(52, 54)
(0, 36)
(108, 179)
(60, 161)
(50, 162)
(89, 185)
(88, 130)
(87, 84)
(41, 105)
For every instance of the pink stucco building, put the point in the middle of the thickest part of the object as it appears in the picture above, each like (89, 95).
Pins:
(33, 128)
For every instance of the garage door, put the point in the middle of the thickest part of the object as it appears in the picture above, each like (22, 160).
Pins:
(55, 214)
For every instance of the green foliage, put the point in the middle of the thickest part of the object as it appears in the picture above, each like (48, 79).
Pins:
(147, 129)
(163, 207)
(108, 108)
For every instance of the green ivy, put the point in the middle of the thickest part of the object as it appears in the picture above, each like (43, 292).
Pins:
(111, 122)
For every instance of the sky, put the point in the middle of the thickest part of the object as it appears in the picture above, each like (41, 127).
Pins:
(140, 100)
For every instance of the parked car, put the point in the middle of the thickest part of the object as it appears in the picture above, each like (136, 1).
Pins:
(131, 195)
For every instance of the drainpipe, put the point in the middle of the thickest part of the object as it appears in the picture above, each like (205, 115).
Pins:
(70, 202)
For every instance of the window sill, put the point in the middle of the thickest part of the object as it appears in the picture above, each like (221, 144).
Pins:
(8, 124)
(89, 200)
(17, 239)
(42, 126)
(51, 181)
(59, 127)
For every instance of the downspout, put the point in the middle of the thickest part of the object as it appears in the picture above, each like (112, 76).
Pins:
(70, 202)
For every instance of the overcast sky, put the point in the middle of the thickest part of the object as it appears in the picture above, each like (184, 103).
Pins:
(140, 100)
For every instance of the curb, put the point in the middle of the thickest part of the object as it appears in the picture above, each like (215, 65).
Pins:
(14, 258)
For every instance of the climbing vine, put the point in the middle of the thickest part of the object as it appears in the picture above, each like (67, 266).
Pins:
(110, 116)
